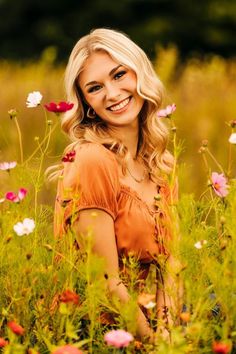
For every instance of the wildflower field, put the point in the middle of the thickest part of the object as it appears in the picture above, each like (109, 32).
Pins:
(52, 296)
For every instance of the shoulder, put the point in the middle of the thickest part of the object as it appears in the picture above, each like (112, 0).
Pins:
(91, 161)
(93, 153)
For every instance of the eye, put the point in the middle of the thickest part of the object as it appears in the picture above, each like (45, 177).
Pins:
(119, 74)
(94, 88)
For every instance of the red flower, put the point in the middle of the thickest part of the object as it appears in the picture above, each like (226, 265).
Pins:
(3, 342)
(69, 157)
(69, 296)
(67, 349)
(16, 328)
(60, 107)
(221, 348)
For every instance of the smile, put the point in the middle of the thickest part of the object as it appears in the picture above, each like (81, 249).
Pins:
(120, 105)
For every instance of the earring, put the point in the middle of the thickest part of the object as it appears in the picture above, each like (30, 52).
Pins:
(91, 113)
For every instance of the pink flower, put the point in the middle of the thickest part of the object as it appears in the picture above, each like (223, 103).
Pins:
(166, 112)
(118, 338)
(7, 166)
(69, 157)
(60, 107)
(16, 198)
(221, 348)
(219, 184)
(16, 328)
(67, 349)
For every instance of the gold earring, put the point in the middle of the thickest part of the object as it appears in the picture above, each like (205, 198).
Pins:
(91, 113)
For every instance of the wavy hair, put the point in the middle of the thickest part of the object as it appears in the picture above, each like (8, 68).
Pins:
(153, 133)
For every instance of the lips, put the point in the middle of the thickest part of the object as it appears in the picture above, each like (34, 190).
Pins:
(120, 105)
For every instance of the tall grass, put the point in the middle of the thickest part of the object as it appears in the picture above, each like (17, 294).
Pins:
(36, 269)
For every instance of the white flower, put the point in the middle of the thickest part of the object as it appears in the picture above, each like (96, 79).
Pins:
(232, 138)
(6, 166)
(25, 227)
(150, 305)
(200, 244)
(2, 200)
(33, 99)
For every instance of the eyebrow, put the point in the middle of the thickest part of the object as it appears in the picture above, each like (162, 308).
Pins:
(110, 73)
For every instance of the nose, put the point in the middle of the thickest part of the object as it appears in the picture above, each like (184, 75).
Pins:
(112, 92)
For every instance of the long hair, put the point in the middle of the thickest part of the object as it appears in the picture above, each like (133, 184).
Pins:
(153, 134)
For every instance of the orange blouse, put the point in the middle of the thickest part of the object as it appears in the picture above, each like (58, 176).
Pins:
(92, 181)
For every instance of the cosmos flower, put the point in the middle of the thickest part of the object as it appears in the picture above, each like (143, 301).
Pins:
(118, 338)
(16, 198)
(60, 107)
(69, 296)
(200, 244)
(16, 328)
(221, 348)
(167, 112)
(3, 342)
(25, 227)
(146, 300)
(232, 138)
(219, 184)
(7, 166)
(69, 157)
(67, 349)
(33, 100)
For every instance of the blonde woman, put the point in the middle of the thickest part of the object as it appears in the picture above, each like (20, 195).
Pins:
(120, 157)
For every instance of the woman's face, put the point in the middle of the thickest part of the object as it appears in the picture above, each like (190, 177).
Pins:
(110, 89)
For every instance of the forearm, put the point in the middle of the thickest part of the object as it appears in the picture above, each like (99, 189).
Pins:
(116, 287)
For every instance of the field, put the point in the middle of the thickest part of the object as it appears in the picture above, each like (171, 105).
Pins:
(54, 293)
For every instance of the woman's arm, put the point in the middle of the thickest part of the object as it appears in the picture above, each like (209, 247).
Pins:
(104, 245)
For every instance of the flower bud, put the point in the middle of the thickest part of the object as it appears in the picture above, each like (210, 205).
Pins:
(233, 123)
(205, 143)
(12, 113)
(222, 220)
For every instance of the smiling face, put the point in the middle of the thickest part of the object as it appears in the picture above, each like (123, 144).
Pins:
(111, 90)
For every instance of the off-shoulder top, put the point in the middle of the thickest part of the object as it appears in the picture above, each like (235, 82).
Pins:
(92, 181)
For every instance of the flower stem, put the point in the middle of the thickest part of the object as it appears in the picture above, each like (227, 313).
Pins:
(20, 139)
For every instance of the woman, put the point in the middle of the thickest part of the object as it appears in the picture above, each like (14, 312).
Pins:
(120, 157)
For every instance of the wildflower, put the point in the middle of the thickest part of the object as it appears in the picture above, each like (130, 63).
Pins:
(2, 200)
(60, 107)
(16, 328)
(12, 113)
(67, 349)
(16, 198)
(34, 99)
(221, 348)
(185, 316)
(232, 138)
(200, 244)
(25, 227)
(167, 112)
(118, 338)
(7, 166)
(69, 296)
(69, 157)
(146, 300)
(219, 184)
(3, 342)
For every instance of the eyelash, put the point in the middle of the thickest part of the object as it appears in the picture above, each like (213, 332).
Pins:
(116, 77)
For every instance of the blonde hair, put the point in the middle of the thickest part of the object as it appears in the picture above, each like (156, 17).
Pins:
(153, 137)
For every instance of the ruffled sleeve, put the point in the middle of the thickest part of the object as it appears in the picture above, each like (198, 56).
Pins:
(90, 182)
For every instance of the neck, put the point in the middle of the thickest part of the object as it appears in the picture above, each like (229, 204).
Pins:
(129, 136)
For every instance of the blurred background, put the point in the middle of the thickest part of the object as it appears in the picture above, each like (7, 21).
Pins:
(191, 44)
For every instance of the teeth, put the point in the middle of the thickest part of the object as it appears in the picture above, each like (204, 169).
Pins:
(120, 105)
